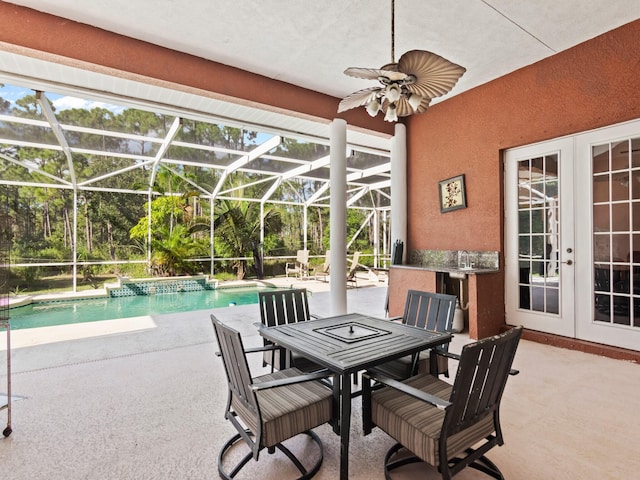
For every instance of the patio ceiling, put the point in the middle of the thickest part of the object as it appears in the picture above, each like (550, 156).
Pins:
(304, 43)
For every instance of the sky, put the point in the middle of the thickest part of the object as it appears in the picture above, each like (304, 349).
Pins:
(60, 102)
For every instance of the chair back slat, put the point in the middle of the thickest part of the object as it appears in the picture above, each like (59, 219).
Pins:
(482, 375)
(283, 306)
(235, 365)
(430, 311)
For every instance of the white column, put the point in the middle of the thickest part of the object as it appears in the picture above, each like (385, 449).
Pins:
(338, 208)
(399, 186)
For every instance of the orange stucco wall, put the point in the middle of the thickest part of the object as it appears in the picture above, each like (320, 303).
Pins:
(594, 84)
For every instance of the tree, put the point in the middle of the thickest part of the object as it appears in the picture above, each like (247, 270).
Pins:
(237, 227)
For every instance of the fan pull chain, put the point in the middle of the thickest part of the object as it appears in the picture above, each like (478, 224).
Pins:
(393, 28)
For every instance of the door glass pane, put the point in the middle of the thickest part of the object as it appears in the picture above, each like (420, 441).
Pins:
(601, 186)
(538, 233)
(600, 158)
(601, 248)
(635, 184)
(635, 152)
(620, 186)
(620, 155)
(601, 218)
(620, 217)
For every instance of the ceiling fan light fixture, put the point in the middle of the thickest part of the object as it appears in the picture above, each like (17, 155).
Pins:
(393, 92)
(373, 107)
(391, 113)
(415, 99)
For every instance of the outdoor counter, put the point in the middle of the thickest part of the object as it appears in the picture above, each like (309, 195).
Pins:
(485, 313)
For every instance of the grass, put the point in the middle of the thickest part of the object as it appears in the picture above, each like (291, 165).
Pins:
(57, 284)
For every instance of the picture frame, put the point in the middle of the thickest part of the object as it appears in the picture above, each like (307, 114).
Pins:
(452, 194)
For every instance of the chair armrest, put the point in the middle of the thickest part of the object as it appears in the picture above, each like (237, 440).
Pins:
(308, 377)
(455, 356)
(264, 348)
(404, 388)
(447, 354)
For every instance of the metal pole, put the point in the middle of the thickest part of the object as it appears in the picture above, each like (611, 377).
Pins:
(338, 206)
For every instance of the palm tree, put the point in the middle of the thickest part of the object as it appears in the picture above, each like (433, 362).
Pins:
(237, 228)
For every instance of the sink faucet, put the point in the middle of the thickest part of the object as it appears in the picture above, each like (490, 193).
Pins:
(463, 260)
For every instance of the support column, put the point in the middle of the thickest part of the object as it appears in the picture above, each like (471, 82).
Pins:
(212, 250)
(75, 240)
(399, 187)
(338, 208)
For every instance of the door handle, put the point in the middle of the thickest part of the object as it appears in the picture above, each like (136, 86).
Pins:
(568, 262)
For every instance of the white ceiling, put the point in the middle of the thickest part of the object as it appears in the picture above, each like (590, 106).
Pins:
(310, 43)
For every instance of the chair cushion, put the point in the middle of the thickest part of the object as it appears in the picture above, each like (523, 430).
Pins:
(288, 410)
(417, 425)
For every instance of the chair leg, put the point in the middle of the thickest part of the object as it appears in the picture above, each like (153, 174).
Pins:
(390, 463)
(225, 448)
(306, 473)
(485, 465)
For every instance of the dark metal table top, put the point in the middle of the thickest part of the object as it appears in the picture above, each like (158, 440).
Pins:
(352, 342)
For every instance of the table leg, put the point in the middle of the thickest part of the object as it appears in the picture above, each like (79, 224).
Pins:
(345, 424)
(433, 363)
(337, 379)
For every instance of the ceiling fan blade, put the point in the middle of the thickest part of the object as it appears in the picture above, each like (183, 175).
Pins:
(434, 74)
(366, 73)
(388, 71)
(357, 99)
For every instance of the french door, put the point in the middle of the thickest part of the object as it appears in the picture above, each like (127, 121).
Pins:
(572, 226)
(539, 243)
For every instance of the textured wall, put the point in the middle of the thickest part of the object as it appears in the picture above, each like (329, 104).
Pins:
(592, 85)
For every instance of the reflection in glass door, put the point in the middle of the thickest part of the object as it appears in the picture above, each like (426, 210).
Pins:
(616, 232)
(538, 235)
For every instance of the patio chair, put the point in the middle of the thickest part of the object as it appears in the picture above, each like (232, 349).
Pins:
(278, 307)
(430, 311)
(299, 268)
(351, 274)
(323, 272)
(270, 409)
(448, 427)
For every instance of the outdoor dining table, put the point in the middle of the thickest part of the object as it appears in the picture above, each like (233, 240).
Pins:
(347, 344)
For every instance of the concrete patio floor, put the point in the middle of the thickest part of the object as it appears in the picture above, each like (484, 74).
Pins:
(144, 399)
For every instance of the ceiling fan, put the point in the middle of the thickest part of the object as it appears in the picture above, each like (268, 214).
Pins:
(406, 87)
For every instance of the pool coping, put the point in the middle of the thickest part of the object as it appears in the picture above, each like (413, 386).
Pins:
(310, 284)
(23, 300)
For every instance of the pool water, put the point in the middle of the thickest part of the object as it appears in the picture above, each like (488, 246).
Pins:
(89, 310)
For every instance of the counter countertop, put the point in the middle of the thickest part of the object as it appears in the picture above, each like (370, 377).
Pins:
(470, 271)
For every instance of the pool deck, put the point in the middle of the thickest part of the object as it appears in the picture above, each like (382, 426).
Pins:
(144, 399)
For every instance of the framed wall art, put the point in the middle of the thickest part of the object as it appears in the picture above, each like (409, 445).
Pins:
(452, 195)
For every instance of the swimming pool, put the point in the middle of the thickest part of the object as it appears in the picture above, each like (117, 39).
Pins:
(89, 310)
